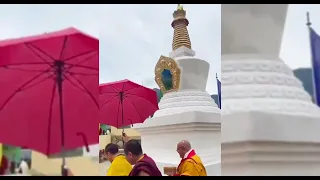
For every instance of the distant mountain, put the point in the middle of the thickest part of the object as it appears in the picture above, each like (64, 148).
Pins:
(159, 94)
(305, 76)
(215, 98)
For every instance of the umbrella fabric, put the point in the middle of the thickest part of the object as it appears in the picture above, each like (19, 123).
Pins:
(125, 103)
(32, 69)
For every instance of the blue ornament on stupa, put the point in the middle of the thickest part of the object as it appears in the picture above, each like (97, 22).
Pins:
(166, 78)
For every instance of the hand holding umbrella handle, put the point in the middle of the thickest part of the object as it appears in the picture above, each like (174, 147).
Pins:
(64, 170)
(125, 137)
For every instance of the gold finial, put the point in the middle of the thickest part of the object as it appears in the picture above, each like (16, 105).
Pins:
(179, 24)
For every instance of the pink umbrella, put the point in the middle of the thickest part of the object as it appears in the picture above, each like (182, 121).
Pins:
(49, 94)
(124, 103)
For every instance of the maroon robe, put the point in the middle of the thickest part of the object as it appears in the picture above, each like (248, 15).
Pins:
(147, 165)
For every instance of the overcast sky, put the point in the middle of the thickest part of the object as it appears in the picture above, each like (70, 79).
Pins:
(295, 49)
(132, 37)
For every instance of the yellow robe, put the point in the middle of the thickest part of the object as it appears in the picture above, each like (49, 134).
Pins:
(119, 167)
(192, 167)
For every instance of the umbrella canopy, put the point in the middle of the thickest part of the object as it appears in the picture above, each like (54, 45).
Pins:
(49, 93)
(124, 103)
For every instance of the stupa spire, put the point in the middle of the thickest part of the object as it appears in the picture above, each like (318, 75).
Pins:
(179, 24)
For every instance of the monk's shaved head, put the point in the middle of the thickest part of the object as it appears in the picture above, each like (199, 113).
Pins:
(184, 144)
(183, 147)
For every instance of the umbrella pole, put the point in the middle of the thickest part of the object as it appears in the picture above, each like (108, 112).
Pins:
(121, 101)
(59, 70)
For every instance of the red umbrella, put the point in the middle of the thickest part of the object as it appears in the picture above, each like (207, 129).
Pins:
(124, 103)
(49, 93)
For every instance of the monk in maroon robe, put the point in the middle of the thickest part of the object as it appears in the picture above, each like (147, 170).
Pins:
(143, 164)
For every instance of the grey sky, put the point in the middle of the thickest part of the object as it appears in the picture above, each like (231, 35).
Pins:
(133, 37)
(295, 49)
(22, 20)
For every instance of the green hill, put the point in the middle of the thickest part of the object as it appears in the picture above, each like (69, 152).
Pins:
(305, 76)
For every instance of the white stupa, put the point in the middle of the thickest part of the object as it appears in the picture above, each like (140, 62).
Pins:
(269, 124)
(187, 112)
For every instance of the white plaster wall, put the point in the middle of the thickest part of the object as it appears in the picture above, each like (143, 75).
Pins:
(194, 73)
(252, 28)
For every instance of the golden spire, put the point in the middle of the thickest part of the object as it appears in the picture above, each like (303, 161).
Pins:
(179, 7)
(179, 24)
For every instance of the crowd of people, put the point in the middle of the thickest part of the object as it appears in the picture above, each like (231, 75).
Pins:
(11, 167)
(135, 163)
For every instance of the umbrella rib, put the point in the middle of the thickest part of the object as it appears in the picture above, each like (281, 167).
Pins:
(20, 69)
(36, 83)
(83, 74)
(82, 61)
(135, 107)
(21, 87)
(82, 66)
(131, 89)
(108, 93)
(140, 97)
(74, 84)
(22, 64)
(81, 54)
(50, 116)
(115, 89)
(123, 86)
(38, 55)
(34, 46)
(86, 90)
(65, 39)
(67, 69)
(110, 100)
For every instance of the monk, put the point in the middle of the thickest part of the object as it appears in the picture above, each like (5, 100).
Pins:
(190, 164)
(119, 165)
(143, 164)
